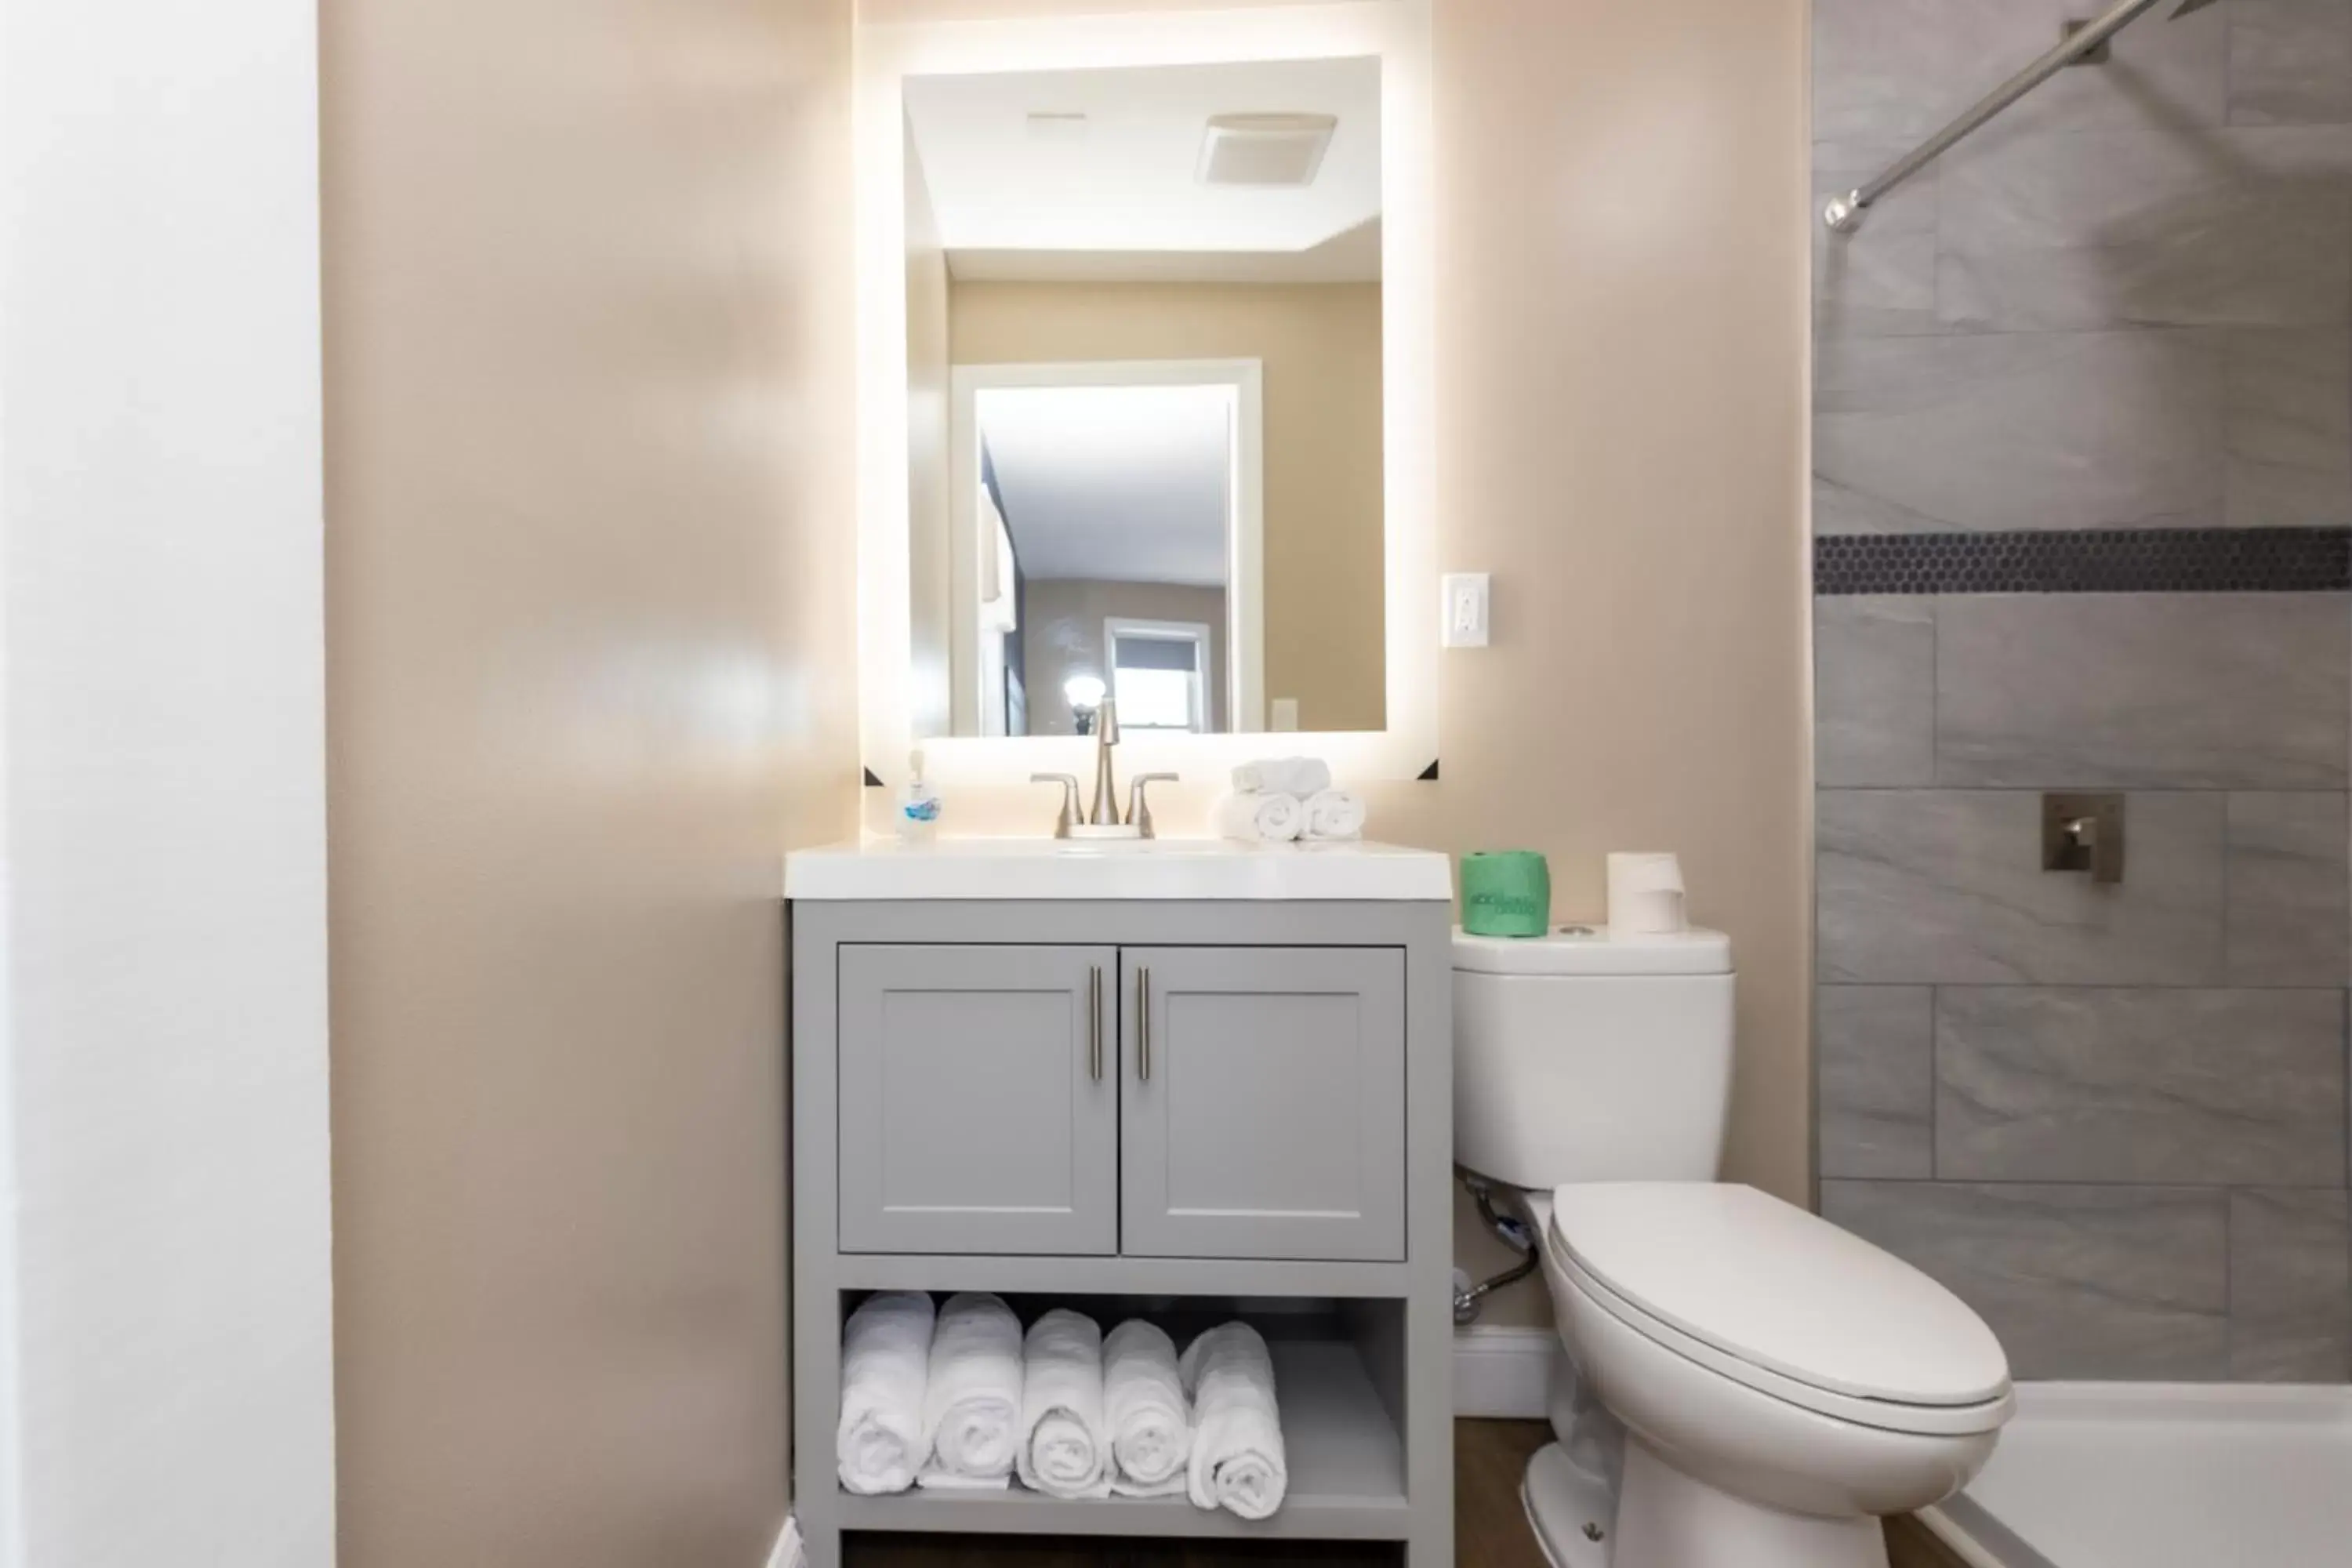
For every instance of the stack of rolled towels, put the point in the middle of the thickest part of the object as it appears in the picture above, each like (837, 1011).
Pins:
(959, 1398)
(1287, 798)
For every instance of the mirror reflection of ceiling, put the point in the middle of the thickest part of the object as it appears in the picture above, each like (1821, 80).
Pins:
(1069, 175)
(1124, 484)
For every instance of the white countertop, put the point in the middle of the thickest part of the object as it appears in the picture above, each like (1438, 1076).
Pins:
(1115, 868)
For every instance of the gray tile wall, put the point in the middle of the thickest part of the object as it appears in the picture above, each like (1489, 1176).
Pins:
(2115, 1119)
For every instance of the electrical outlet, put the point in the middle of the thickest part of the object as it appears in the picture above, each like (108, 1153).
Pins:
(1464, 610)
(1285, 715)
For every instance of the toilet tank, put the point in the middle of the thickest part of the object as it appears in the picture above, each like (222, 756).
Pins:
(1577, 1059)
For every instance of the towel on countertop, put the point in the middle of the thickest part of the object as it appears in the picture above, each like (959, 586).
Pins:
(1237, 1461)
(972, 1407)
(1299, 776)
(1064, 1447)
(885, 1353)
(1144, 1408)
(1271, 818)
(1332, 814)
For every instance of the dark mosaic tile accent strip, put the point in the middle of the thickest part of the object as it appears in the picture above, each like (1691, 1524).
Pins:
(2100, 561)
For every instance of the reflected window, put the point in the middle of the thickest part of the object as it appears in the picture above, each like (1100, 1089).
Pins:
(1160, 673)
(1157, 700)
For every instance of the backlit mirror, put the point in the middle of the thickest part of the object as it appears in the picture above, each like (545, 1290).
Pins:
(1145, 399)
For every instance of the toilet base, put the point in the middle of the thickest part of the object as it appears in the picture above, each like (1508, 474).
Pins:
(1668, 1519)
(1665, 1518)
(1561, 1501)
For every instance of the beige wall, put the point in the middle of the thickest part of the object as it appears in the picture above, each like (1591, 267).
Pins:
(1062, 636)
(1622, 356)
(1623, 234)
(1321, 347)
(590, 586)
(930, 513)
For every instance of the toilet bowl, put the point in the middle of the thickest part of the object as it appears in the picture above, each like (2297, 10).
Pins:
(1754, 1387)
(1779, 1383)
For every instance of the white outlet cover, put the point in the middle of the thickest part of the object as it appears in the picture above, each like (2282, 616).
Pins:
(1465, 606)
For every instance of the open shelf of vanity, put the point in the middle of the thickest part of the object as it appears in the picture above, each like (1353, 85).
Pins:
(1311, 1196)
(1346, 1449)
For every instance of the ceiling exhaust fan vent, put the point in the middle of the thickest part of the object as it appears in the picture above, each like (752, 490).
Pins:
(1265, 149)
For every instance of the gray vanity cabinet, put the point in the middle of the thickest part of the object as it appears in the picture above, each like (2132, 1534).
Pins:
(1261, 1104)
(978, 1100)
(1236, 1102)
(1180, 1109)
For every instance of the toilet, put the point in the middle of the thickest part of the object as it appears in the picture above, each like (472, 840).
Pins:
(1747, 1385)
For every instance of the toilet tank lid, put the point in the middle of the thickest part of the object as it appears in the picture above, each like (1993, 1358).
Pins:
(1590, 950)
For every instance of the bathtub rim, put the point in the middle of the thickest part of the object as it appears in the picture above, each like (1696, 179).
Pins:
(1978, 1537)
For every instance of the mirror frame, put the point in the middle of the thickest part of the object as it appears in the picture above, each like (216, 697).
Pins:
(1397, 33)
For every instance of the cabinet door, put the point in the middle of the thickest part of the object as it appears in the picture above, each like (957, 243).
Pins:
(1262, 1102)
(978, 1100)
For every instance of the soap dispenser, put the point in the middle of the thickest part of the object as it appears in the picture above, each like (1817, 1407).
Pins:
(918, 806)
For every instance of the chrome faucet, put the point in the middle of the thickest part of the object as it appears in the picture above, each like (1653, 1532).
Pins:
(1102, 821)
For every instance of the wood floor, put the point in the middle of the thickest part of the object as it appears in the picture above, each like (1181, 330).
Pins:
(1490, 1525)
(1490, 1529)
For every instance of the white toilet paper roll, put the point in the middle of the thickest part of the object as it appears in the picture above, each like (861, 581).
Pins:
(1645, 895)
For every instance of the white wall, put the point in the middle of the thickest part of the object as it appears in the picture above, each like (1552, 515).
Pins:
(163, 999)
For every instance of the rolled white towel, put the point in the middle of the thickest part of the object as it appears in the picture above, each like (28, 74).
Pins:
(1301, 776)
(1064, 1447)
(972, 1407)
(1274, 818)
(886, 1351)
(1144, 1407)
(1237, 1461)
(1333, 814)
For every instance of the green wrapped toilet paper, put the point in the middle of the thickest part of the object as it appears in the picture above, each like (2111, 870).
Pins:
(1505, 893)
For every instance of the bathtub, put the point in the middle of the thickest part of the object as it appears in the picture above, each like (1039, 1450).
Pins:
(2125, 1475)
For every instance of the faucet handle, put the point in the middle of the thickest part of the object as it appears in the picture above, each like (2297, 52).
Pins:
(1138, 805)
(1069, 783)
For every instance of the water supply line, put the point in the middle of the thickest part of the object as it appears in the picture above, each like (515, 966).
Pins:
(1511, 1230)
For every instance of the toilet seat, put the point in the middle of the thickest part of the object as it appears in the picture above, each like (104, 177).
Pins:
(1784, 1302)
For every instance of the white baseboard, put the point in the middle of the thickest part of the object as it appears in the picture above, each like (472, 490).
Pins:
(1503, 1373)
(788, 1553)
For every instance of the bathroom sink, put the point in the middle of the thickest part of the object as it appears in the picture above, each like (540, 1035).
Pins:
(1121, 845)
(1114, 868)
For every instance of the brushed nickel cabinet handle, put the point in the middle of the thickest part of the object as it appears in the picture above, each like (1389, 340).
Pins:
(1143, 1024)
(1093, 1021)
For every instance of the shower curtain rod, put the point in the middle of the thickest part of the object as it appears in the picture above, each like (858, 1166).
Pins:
(1844, 213)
